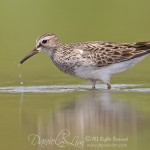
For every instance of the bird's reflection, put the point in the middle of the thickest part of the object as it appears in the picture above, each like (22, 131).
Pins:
(94, 114)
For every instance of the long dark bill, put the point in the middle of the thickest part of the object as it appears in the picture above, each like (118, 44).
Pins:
(33, 52)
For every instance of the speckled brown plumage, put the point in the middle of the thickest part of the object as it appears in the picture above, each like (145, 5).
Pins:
(106, 53)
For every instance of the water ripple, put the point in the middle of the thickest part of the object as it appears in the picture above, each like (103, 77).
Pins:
(72, 88)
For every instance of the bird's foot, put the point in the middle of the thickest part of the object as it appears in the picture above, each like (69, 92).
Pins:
(93, 84)
(93, 87)
(108, 86)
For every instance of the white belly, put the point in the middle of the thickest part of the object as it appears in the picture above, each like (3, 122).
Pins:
(104, 73)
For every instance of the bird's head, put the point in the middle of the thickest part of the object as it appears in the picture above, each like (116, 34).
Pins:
(45, 43)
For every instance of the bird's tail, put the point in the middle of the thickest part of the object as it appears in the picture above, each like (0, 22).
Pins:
(142, 48)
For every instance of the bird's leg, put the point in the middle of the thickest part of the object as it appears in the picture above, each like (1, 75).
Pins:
(108, 86)
(93, 83)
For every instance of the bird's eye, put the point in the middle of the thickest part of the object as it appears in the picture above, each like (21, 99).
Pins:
(44, 41)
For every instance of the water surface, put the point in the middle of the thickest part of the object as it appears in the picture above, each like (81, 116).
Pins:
(75, 117)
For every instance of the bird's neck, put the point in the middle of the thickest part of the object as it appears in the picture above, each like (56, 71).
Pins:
(60, 59)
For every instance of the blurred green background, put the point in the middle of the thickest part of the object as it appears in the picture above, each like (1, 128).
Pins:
(21, 22)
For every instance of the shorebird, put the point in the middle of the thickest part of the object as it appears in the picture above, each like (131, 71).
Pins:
(94, 61)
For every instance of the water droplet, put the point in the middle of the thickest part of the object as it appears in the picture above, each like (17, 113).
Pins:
(20, 76)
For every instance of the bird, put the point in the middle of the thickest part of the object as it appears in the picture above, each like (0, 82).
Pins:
(94, 60)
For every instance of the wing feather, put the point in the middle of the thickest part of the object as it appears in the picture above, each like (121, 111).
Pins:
(106, 53)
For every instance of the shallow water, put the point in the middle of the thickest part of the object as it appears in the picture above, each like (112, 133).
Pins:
(72, 88)
(75, 117)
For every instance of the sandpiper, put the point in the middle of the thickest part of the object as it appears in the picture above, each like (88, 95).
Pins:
(94, 61)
